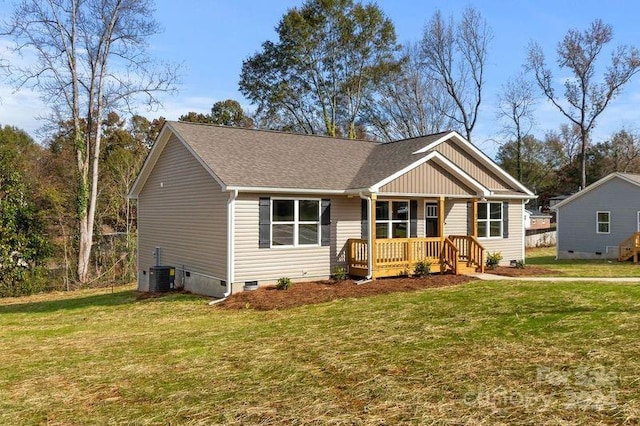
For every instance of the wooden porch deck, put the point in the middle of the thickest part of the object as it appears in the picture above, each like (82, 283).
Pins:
(459, 254)
(630, 248)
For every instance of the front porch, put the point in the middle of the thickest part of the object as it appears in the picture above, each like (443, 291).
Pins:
(459, 254)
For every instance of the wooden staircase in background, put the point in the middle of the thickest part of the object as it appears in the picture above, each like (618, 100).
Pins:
(630, 248)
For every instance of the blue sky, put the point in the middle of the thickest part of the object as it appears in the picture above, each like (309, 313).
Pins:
(212, 38)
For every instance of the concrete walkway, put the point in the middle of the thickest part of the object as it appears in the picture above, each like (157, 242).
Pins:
(493, 277)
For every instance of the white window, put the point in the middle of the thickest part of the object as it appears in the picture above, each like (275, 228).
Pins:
(489, 220)
(295, 222)
(392, 219)
(603, 222)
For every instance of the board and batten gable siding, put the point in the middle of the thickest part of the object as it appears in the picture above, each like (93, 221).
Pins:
(182, 210)
(577, 220)
(512, 248)
(266, 265)
(428, 178)
(472, 166)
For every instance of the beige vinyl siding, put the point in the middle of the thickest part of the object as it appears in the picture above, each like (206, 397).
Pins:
(472, 166)
(182, 210)
(512, 248)
(266, 265)
(428, 178)
(455, 217)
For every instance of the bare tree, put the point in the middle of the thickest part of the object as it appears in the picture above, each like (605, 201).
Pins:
(565, 143)
(90, 59)
(515, 109)
(410, 103)
(584, 98)
(456, 54)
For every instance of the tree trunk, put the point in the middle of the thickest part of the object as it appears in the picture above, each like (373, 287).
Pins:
(583, 161)
(84, 249)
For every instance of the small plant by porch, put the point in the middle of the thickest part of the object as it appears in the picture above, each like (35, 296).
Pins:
(459, 254)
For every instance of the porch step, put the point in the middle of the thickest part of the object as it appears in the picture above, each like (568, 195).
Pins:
(466, 270)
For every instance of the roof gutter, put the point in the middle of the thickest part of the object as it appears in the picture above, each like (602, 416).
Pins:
(369, 242)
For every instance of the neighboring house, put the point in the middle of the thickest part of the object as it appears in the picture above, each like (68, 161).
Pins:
(601, 220)
(536, 220)
(232, 207)
(557, 199)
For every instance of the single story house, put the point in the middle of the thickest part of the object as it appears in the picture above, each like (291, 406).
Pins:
(601, 221)
(235, 207)
(536, 220)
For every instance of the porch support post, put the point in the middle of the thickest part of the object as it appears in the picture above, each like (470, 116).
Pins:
(372, 234)
(474, 217)
(441, 218)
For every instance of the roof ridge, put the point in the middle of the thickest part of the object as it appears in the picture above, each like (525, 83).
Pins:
(417, 137)
(276, 131)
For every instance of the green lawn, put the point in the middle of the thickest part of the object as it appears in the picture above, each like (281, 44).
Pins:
(484, 352)
(546, 258)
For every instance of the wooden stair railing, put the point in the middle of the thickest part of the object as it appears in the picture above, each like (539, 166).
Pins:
(629, 248)
(449, 256)
(470, 251)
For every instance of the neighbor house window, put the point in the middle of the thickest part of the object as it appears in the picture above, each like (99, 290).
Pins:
(603, 222)
(490, 219)
(295, 222)
(392, 219)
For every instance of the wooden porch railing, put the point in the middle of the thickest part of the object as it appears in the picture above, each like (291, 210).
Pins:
(469, 250)
(629, 248)
(394, 256)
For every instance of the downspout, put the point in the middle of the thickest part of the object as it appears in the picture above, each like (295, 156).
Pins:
(231, 204)
(369, 244)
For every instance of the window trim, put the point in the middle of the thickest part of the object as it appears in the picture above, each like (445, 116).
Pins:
(638, 220)
(488, 220)
(296, 223)
(391, 221)
(608, 222)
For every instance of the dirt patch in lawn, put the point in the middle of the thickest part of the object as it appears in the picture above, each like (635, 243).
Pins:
(268, 298)
(527, 271)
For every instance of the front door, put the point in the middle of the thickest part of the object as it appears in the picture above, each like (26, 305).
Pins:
(431, 220)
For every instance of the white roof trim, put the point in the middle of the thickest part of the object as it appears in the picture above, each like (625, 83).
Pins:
(435, 143)
(285, 190)
(594, 186)
(154, 155)
(473, 150)
(443, 161)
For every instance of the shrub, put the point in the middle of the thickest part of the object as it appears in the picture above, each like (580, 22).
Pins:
(283, 283)
(519, 264)
(493, 259)
(422, 268)
(339, 273)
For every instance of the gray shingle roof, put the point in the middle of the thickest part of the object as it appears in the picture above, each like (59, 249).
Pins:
(239, 157)
(250, 158)
(259, 158)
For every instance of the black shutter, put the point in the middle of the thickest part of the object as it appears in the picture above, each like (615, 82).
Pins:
(469, 218)
(413, 218)
(265, 222)
(505, 219)
(325, 220)
(364, 221)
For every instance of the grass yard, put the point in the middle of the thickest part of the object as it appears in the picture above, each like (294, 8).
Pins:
(546, 258)
(478, 353)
